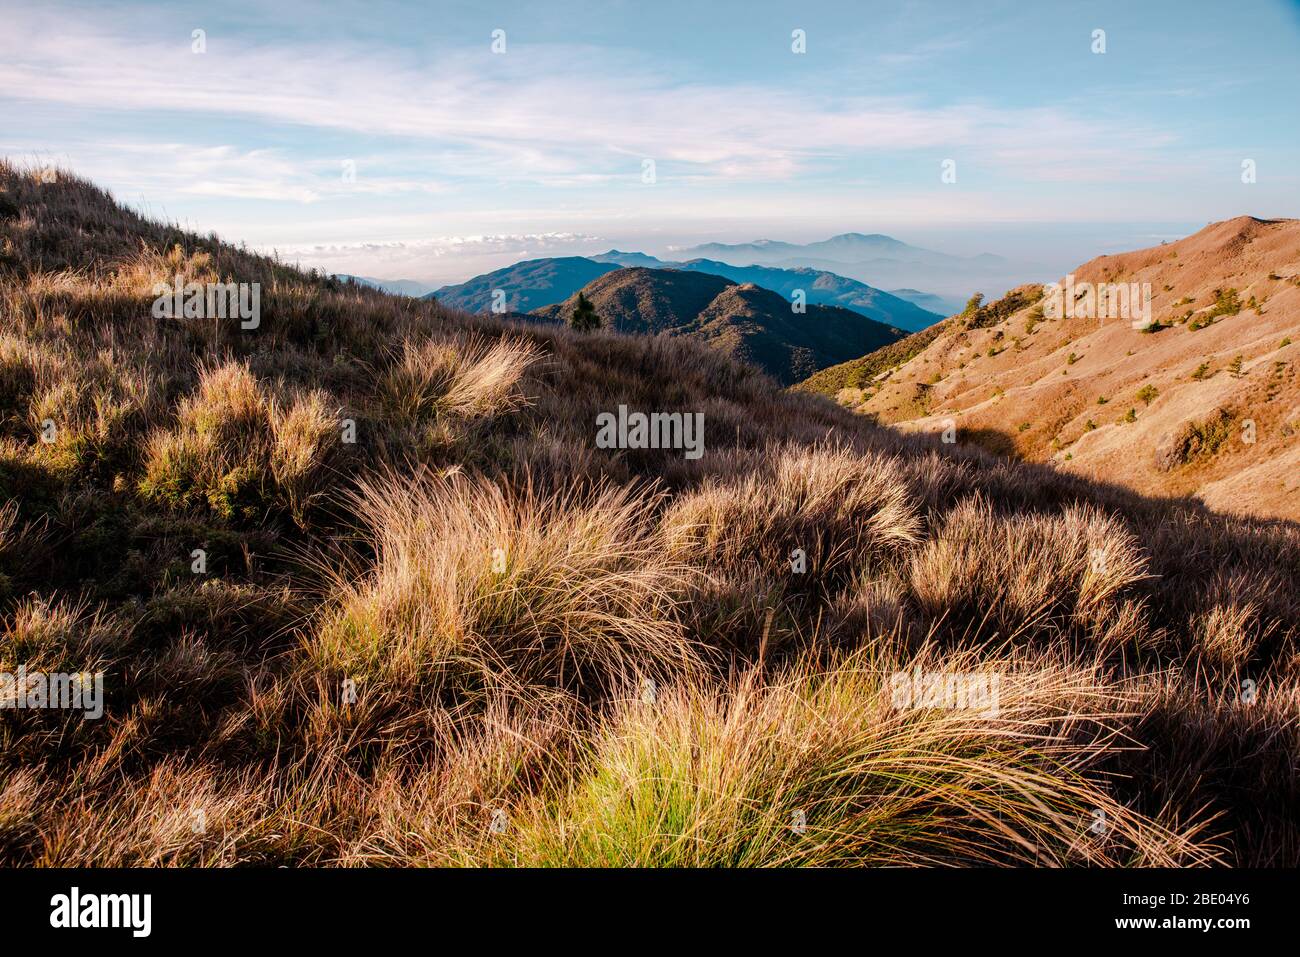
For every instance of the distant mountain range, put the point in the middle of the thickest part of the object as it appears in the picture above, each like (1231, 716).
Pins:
(398, 287)
(881, 260)
(526, 285)
(845, 249)
(743, 320)
(819, 286)
(541, 282)
(874, 274)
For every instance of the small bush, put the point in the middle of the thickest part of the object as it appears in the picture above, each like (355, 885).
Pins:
(1194, 440)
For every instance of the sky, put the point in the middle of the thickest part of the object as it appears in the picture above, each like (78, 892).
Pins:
(413, 140)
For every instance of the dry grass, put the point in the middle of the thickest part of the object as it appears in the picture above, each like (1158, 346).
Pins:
(476, 583)
(1028, 573)
(237, 447)
(474, 378)
(819, 768)
(471, 637)
(838, 507)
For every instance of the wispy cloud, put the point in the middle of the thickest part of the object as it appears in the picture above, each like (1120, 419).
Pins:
(384, 124)
(423, 259)
(533, 115)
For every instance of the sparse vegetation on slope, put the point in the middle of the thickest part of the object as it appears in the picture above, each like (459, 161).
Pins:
(861, 372)
(1134, 331)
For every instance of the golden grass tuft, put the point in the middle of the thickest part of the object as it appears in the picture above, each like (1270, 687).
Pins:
(488, 584)
(238, 448)
(841, 508)
(461, 378)
(1028, 572)
(59, 636)
(819, 768)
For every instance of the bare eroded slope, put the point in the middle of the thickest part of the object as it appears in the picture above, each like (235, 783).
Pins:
(1206, 402)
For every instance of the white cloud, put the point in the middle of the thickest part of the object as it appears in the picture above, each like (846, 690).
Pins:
(438, 259)
(560, 117)
(189, 169)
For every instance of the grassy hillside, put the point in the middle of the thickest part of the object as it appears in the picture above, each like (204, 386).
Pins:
(860, 372)
(472, 637)
(645, 301)
(746, 322)
(1205, 401)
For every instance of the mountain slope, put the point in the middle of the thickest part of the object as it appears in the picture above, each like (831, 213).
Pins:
(527, 285)
(861, 372)
(545, 282)
(645, 301)
(744, 321)
(1207, 402)
(824, 288)
(363, 584)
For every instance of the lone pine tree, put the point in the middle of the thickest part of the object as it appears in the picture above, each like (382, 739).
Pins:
(584, 318)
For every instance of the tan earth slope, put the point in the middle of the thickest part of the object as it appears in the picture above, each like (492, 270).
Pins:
(1205, 402)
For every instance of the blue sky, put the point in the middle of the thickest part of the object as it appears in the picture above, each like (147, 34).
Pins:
(466, 159)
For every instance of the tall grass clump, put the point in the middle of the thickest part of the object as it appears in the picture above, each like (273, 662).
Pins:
(459, 378)
(1078, 569)
(819, 767)
(241, 450)
(480, 585)
(839, 507)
